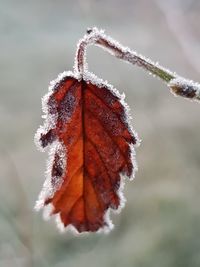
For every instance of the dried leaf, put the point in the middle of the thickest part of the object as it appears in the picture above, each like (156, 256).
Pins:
(86, 126)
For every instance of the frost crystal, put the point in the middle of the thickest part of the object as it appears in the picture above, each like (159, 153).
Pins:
(54, 178)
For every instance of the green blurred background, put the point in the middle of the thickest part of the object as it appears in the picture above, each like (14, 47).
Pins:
(160, 224)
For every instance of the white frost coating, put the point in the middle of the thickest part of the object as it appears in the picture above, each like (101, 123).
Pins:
(48, 190)
(131, 56)
(52, 86)
(50, 119)
(107, 228)
(88, 39)
(185, 84)
(99, 38)
(47, 211)
(59, 223)
(133, 160)
(120, 194)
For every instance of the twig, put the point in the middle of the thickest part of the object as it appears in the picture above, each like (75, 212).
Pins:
(178, 85)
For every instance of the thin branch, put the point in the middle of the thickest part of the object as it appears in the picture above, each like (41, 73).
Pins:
(178, 85)
(97, 37)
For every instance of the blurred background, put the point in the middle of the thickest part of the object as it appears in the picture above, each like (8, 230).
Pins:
(160, 224)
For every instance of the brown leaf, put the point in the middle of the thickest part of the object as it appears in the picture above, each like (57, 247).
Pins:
(92, 147)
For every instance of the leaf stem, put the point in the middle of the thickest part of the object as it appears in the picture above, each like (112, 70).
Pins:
(178, 85)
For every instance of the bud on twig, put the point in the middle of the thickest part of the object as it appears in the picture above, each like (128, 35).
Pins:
(185, 88)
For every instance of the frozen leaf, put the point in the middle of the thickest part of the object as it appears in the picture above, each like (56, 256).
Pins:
(91, 144)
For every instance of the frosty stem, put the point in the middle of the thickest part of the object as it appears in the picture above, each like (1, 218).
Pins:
(178, 85)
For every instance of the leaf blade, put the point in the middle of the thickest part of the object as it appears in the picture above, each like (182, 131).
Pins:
(91, 125)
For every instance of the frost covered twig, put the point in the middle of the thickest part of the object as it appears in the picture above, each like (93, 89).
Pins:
(178, 85)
